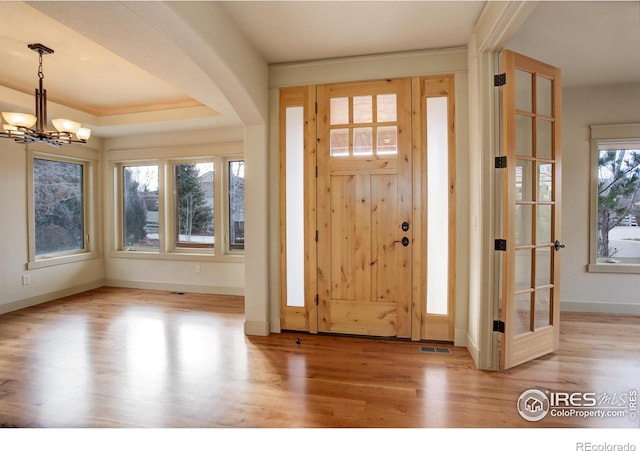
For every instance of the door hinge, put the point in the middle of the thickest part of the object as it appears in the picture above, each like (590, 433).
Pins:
(316, 107)
(500, 245)
(501, 162)
(498, 326)
(500, 80)
(317, 299)
(316, 236)
(316, 171)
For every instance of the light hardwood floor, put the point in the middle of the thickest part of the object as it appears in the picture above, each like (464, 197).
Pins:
(116, 357)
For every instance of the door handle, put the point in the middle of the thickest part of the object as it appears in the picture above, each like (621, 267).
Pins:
(404, 241)
(558, 245)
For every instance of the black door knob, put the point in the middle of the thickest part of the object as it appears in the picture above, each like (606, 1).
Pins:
(404, 241)
(405, 226)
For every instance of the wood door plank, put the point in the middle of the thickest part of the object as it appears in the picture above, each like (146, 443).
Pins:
(384, 218)
(343, 227)
(362, 238)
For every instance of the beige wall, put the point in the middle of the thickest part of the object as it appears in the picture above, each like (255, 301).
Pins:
(46, 283)
(582, 107)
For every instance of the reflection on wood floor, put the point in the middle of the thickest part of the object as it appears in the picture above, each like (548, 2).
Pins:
(116, 357)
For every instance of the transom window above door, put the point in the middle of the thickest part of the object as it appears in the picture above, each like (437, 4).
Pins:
(364, 125)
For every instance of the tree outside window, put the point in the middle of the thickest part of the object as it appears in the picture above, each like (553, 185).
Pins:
(236, 205)
(140, 202)
(195, 205)
(618, 234)
(58, 198)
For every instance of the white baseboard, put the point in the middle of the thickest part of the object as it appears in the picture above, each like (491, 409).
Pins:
(208, 289)
(54, 295)
(600, 307)
(473, 349)
(259, 328)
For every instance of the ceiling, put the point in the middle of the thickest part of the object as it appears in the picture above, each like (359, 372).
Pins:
(139, 90)
(593, 42)
(309, 30)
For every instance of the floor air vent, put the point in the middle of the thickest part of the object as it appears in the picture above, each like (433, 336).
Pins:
(434, 350)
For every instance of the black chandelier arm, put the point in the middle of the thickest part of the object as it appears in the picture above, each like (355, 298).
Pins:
(24, 135)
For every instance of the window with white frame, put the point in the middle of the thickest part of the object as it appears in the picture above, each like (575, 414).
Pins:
(60, 209)
(615, 198)
(183, 206)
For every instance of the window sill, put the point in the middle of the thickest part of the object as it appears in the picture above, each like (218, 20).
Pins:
(181, 256)
(62, 260)
(621, 268)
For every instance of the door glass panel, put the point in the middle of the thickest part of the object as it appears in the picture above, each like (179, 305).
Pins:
(294, 157)
(386, 108)
(545, 179)
(362, 109)
(339, 142)
(523, 225)
(522, 313)
(339, 111)
(362, 141)
(524, 135)
(523, 91)
(523, 180)
(542, 308)
(544, 142)
(523, 269)
(543, 266)
(437, 206)
(543, 96)
(543, 224)
(387, 140)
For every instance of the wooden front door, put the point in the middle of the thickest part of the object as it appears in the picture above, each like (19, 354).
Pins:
(531, 203)
(364, 208)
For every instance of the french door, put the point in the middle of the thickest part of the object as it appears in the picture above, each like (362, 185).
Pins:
(531, 110)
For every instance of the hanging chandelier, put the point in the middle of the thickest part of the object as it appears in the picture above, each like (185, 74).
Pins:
(27, 128)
